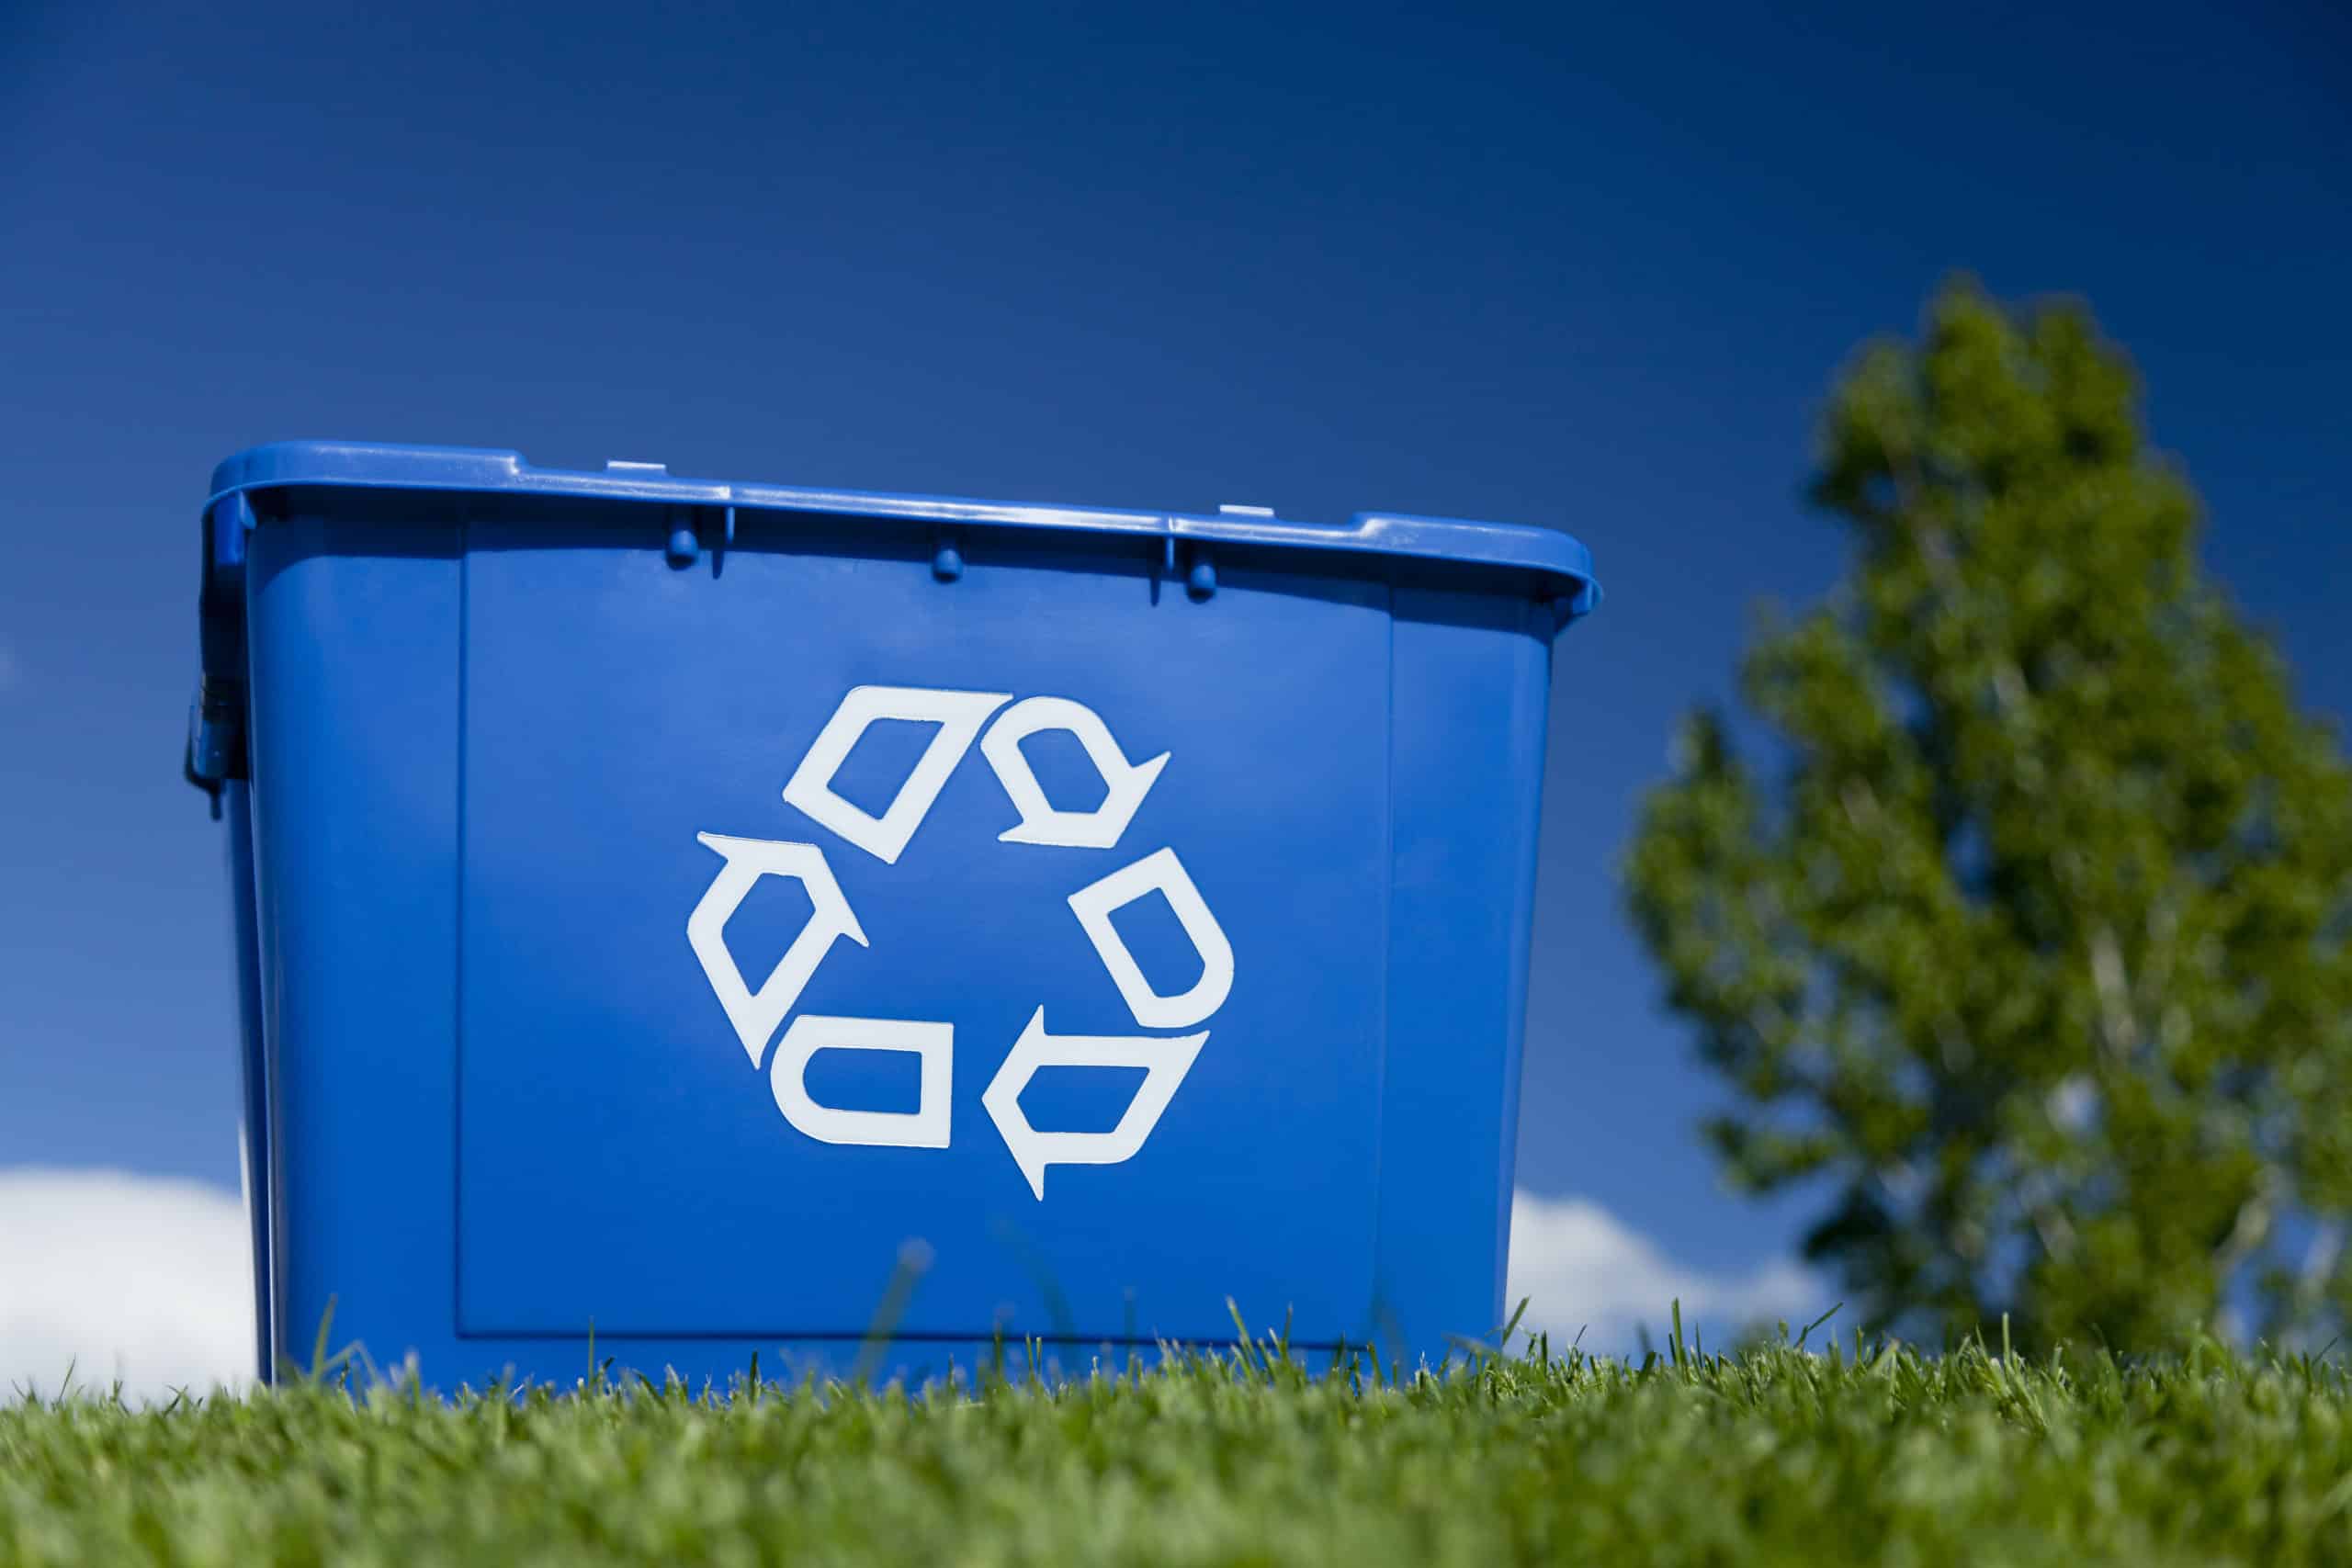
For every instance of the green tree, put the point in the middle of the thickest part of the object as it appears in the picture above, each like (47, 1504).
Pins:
(2030, 937)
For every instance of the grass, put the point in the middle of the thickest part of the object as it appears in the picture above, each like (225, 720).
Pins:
(1858, 1453)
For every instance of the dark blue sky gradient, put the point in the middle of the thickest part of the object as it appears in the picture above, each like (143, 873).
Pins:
(1586, 267)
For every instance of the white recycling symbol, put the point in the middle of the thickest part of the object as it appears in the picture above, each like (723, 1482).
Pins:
(758, 1013)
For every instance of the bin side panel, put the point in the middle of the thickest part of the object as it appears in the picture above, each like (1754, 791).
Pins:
(624, 1160)
(253, 1070)
(354, 650)
(1471, 675)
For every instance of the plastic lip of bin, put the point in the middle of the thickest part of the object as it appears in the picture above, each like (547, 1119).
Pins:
(361, 466)
(490, 734)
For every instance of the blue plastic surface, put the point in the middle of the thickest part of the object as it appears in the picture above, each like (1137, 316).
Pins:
(1193, 968)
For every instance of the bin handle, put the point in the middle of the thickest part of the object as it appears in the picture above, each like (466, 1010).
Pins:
(216, 750)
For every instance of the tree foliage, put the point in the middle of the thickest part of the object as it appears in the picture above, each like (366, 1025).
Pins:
(2030, 936)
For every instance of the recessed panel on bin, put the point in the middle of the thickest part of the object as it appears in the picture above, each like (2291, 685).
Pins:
(1208, 929)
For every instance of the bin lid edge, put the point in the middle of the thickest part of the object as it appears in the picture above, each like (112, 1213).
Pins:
(378, 465)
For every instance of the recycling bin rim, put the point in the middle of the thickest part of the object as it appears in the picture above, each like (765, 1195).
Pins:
(1556, 559)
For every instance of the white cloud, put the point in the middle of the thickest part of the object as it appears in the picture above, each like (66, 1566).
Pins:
(1579, 1268)
(122, 1276)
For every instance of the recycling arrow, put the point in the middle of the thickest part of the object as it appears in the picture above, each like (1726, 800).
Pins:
(1124, 783)
(756, 1014)
(959, 714)
(1165, 1061)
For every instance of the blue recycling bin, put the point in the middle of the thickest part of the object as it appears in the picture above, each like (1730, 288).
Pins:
(728, 918)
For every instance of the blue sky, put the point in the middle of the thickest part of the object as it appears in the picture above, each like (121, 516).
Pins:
(1585, 267)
